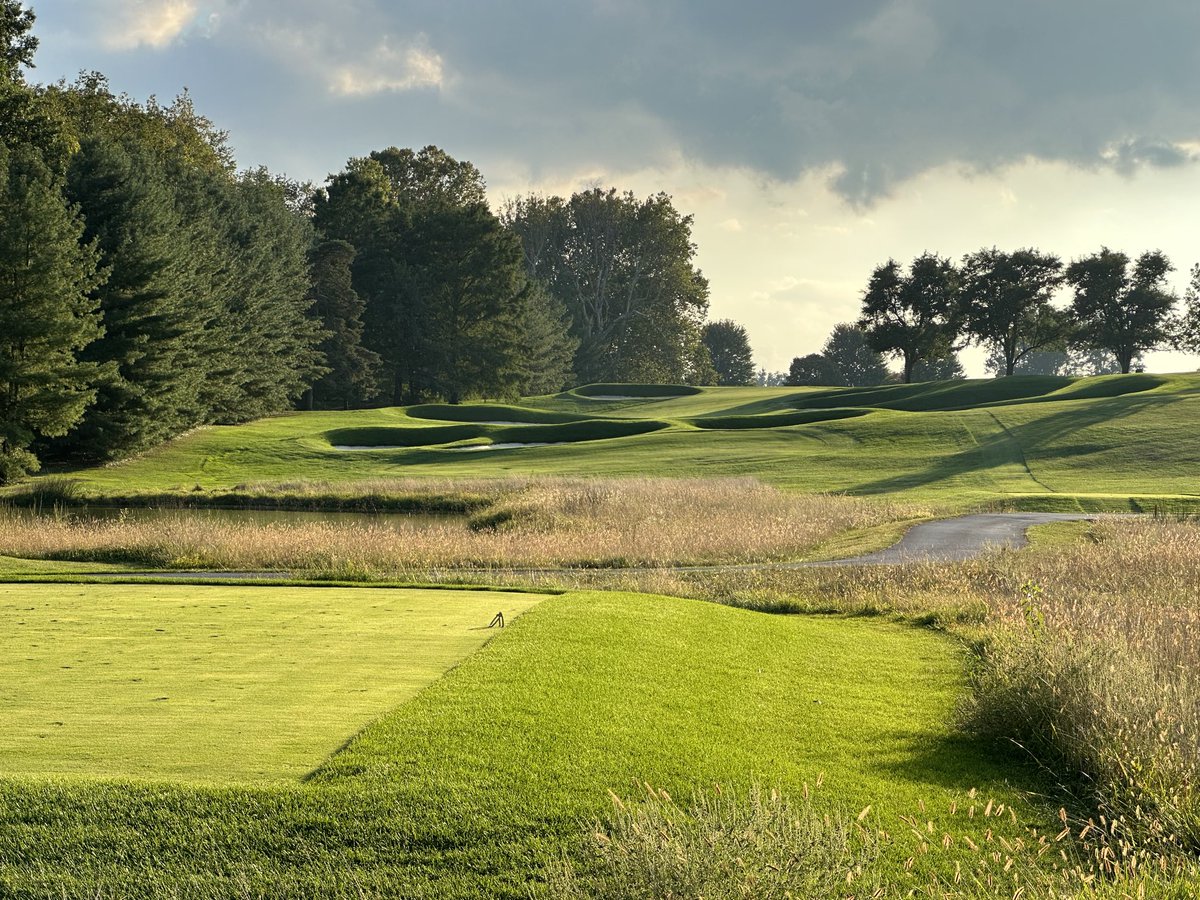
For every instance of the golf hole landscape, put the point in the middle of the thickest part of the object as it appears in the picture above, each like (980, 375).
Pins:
(278, 669)
(382, 531)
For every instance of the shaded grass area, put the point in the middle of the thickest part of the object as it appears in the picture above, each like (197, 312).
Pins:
(488, 412)
(583, 430)
(217, 683)
(469, 789)
(637, 390)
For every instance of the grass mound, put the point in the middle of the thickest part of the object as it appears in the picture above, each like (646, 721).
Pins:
(956, 395)
(489, 412)
(775, 420)
(636, 390)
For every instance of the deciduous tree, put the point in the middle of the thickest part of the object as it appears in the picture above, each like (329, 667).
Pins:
(624, 269)
(853, 361)
(813, 369)
(729, 349)
(1006, 299)
(917, 315)
(1123, 310)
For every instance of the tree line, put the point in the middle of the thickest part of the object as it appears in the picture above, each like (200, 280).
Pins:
(1119, 309)
(147, 286)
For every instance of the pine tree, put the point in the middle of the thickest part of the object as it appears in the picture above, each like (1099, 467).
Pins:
(131, 216)
(47, 314)
(548, 347)
(353, 369)
(473, 290)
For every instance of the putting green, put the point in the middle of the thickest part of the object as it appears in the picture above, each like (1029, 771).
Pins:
(220, 683)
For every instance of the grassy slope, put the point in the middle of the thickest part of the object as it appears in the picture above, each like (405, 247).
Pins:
(1034, 441)
(464, 791)
(220, 682)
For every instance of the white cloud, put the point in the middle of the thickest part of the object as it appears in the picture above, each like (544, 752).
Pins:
(152, 23)
(390, 69)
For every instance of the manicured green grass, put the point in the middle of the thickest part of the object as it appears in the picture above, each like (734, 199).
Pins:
(1116, 442)
(222, 683)
(468, 789)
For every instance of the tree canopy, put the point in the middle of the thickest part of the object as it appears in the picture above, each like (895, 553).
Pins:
(915, 315)
(1006, 299)
(729, 349)
(624, 270)
(1123, 310)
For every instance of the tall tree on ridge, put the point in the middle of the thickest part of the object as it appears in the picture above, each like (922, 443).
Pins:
(916, 316)
(1006, 297)
(1121, 310)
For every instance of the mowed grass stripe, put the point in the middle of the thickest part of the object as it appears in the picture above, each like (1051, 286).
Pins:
(467, 790)
(223, 683)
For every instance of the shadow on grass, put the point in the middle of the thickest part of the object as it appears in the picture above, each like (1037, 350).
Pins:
(1014, 444)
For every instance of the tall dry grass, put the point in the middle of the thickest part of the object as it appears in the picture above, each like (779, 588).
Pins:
(761, 845)
(527, 523)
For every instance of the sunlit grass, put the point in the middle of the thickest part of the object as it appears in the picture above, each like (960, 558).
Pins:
(216, 683)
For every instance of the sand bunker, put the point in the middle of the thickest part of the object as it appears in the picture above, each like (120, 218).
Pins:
(509, 446)
(618, 397)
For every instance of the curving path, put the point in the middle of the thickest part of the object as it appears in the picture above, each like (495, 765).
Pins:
(959, 539)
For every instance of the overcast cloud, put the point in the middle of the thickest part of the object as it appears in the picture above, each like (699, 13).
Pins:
(878, 90)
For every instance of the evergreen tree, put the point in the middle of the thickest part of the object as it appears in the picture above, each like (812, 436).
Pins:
(131, 217)
(444, 307)
(473, 291)
(47, 314)
(271, 338)
(353, 369)
(548, 347)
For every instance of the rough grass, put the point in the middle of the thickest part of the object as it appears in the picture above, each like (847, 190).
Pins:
(216, 683)
(529, 523)
(762, 844)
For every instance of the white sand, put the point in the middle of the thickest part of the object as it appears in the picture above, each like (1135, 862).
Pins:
(477, 447)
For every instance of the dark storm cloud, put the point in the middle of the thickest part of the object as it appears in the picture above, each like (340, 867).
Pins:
(874, 90)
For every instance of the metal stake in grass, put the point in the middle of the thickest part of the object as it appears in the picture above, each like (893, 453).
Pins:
(497, 621)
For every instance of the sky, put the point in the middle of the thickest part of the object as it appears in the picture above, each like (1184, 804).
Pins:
(810, 140)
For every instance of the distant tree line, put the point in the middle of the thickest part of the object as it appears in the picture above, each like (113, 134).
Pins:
(148, 287)
(1120, 308)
